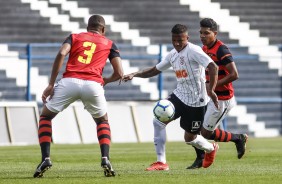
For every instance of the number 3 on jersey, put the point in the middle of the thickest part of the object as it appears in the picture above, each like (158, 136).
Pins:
(88, 53)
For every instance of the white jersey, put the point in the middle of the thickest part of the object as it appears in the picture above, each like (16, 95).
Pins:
(189, 66)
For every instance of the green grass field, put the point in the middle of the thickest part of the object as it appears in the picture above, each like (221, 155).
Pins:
(79, 164)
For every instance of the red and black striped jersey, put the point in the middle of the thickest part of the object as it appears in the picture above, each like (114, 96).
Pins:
(221, 55)
(88, 55)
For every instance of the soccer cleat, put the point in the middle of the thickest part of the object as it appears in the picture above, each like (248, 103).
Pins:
(42, 167)
(107, 166)
(241, 145)
(158, 166)
(209, 157)
(197, 164)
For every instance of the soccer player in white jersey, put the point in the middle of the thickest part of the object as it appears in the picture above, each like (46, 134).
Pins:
(190, 96)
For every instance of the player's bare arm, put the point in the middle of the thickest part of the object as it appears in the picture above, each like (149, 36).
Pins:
(213, 74)
(117, 71)
(59, 60)
(232, 76)
(146, 73)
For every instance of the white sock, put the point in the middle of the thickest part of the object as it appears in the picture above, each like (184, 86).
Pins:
(201, 143)
(159, 140)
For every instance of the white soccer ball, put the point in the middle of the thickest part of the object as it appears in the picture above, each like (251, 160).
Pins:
(164, 110)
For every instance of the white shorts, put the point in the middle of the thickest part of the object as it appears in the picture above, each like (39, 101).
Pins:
(68, 90)
(214, 116)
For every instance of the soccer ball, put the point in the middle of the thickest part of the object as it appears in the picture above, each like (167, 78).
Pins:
(164, 110)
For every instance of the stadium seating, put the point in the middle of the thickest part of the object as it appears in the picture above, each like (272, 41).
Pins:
(255, 80)
(21, 25)
(10, 91)
(265, 16)
(154, 20)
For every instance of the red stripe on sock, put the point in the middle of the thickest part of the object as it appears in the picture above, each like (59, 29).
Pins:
(105, 141)
(102, 125)
(101, 132)
(44, 139)
(44, 122)
(222, 136)
(45, 129)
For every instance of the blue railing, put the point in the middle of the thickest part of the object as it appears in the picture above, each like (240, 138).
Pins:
(28, 54)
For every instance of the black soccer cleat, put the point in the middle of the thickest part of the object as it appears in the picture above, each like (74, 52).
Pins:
(107, 166)
(241, 145)
(197, 164)
(42, 167)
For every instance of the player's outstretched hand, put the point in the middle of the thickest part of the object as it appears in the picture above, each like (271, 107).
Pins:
(127, 77)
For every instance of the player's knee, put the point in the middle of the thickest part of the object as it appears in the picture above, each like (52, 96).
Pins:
(43, 117)
(188, 137)
(47, 114)
(159, 123)
(101, 119)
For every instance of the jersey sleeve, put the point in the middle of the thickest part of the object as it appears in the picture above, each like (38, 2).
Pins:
(200, 56)
(114, 52)
(68, 40)
(224, 55)
(164, 64)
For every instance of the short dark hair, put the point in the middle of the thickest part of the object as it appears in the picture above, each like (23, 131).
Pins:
(210, 23)
(179, 28)
(96, 22)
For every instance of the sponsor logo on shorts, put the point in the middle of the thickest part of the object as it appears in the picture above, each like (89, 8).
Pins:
(196, 125)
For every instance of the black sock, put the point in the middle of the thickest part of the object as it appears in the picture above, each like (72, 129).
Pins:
(45, 150)
(200, 153)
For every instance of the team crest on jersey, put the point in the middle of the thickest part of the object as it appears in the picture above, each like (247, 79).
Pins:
(195, 125)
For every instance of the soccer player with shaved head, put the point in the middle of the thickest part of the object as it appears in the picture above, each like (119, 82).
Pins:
(82, 80)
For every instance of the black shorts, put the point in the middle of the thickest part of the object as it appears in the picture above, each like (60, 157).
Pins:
(191, 118)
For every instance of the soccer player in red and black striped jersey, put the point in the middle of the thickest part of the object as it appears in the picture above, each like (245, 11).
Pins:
(82, 80)
(227, 73)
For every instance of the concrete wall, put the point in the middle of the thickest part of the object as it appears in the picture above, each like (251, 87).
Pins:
(129, 121)
(18, 123)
